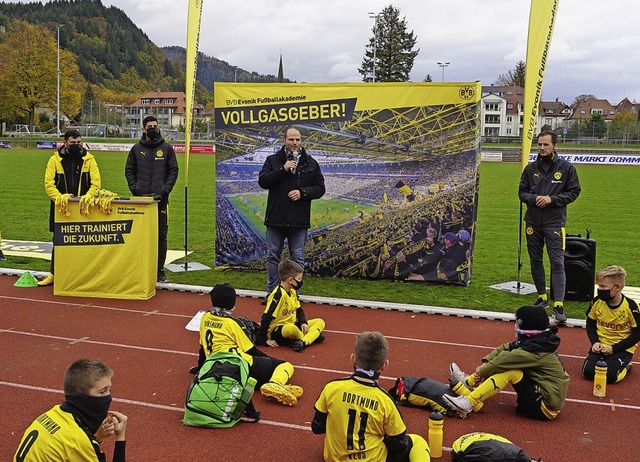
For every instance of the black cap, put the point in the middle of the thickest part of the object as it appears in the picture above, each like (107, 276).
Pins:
(532, 318)
(223, 296)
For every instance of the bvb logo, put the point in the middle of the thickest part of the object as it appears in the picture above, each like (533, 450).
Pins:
(529, 230)
(557, 175)
(467, 92)
(159, 153)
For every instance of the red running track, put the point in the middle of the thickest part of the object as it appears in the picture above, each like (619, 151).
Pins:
(147, 345)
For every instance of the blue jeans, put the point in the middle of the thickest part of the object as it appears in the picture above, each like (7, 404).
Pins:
(276, 235)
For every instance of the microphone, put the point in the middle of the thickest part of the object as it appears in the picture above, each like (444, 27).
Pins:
(292, 156)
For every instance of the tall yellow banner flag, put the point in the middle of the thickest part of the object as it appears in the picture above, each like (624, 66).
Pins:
(194, 16)
(541, 21)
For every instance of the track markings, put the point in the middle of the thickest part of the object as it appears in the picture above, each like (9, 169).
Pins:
(309, 368)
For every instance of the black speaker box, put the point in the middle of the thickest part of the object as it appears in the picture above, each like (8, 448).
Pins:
(579, 268)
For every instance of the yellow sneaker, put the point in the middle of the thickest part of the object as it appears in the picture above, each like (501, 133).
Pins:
(278, 392)
(46, 281)
(295, 390)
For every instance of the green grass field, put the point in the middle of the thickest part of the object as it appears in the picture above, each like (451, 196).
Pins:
(324, 211)
(608, 206)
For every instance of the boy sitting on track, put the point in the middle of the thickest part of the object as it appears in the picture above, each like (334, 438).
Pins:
(74, 429)
(360, 419)
(613, 326)
(219, 331)
(530, 364)
(283, 320)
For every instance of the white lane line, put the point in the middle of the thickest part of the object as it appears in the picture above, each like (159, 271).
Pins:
(309, 368)
(12, 330)
(90, 305)
(142, 403)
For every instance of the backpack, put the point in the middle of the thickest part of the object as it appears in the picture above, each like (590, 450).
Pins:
(220, 393)
(485, 447)
(249, 327)
(422, 392)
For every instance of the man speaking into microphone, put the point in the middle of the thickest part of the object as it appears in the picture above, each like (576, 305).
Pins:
(293, 179)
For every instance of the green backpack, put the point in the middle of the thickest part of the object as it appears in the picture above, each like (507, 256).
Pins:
(220, 393)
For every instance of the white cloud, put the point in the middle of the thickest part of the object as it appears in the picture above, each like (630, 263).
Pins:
(593, 51)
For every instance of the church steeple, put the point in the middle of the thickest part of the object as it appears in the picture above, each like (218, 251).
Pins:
(280, 71)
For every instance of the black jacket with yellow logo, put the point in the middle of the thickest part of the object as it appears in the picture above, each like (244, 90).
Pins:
(152, 168)
(557, 179)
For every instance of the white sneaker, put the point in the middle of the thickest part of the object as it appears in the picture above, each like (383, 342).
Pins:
(460, 404)
(457, 375)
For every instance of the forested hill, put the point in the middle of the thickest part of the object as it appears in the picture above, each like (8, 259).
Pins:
(215, 70)
(111, 50)
(113, 53)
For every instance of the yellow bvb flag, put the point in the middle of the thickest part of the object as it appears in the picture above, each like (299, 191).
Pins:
(542, 18)
(194, 17)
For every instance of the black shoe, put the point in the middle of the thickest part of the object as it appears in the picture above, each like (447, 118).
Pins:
(320, 339)
(298, 345)
(264, 301)
(162, 277)
(194, 370)
(250, 414)
(558, 314)
(543, 303)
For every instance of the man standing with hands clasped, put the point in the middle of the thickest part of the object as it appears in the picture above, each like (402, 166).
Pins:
(547, 186)
(71, 172)
(293, 179)
(152, 169)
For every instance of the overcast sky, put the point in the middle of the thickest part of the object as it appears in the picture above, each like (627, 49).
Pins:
(595, 48)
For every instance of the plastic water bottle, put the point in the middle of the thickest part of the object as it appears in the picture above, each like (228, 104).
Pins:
(247, 392)
(436, 422)
(245, 396)
(600, 380)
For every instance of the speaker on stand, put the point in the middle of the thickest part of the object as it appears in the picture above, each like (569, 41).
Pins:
(579, 267)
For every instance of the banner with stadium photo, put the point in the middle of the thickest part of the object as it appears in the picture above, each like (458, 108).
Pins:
(401, 165)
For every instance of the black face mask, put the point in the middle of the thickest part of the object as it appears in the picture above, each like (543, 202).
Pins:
(92, 410)
(605, 295)
(152, 133)
(75, 150)
(298, 285)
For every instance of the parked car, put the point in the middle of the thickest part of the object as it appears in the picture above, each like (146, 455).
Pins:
(103, 130)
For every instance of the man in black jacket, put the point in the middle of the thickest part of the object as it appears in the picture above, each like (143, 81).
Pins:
(547, 186)
(293, 179)
(152, 169)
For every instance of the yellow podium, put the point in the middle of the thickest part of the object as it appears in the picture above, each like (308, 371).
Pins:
(103, 255)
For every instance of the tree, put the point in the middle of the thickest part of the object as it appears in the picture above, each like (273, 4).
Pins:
(392, 46)
(624, 126)
(596, 126)
(28, 77)
(513, 78)
(579, 99)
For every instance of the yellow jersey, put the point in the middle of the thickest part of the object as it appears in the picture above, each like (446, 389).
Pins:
(359, 415)
(222, 333)
(615, 324)
(55, 436)
(282, 308)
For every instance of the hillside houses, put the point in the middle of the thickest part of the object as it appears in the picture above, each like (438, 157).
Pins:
(502, 107)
